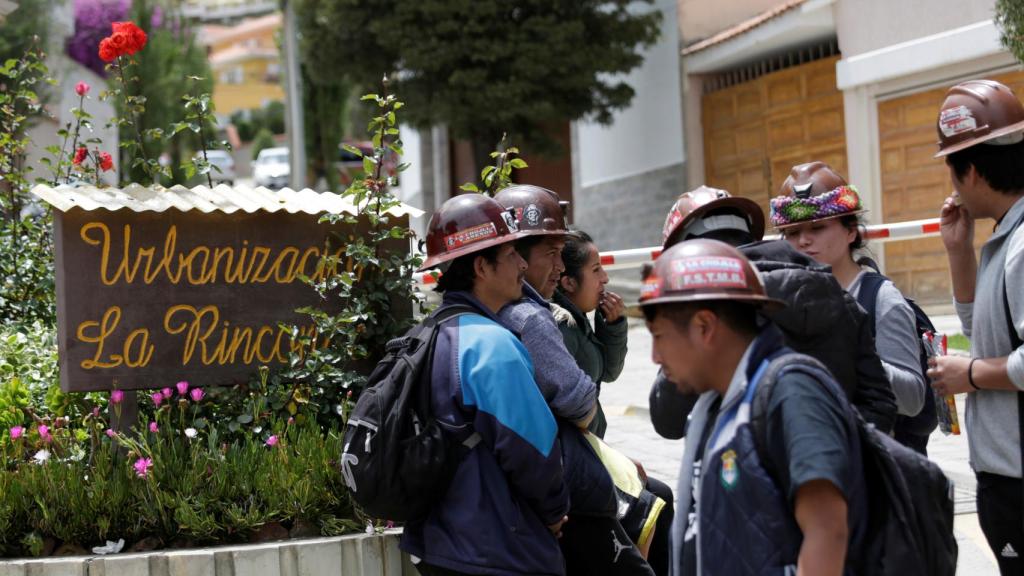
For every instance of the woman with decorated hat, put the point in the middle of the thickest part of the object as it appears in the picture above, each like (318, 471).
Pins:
(819, 214)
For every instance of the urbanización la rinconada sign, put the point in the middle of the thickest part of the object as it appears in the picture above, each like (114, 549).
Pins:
(157, 285)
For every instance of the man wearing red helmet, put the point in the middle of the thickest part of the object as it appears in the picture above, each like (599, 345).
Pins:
(805, 512)
(594, 540)
(981, 137)
(507, 501)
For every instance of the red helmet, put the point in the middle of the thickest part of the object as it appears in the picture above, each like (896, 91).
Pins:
(466, 224)
(538, 210)
(703, 269)
(976, 112)
(812, 192)
(693, 205)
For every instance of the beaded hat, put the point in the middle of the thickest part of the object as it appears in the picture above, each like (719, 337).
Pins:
(813, 191)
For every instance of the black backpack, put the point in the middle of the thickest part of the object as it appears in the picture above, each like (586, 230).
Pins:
(910, 500)
(925, 421)
(398, 460)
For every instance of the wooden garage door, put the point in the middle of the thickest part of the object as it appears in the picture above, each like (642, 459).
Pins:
(914, 185)
(756, 131)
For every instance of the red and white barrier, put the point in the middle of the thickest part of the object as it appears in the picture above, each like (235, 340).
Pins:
(636, 257)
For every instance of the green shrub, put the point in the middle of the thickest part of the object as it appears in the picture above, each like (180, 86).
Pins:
(196, 487)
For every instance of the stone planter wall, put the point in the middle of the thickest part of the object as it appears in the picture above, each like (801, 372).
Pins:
(357, 555)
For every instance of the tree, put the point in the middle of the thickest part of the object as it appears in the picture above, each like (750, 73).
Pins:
(1010, 20)
(486, 67)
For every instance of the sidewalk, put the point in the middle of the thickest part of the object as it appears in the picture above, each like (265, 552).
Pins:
(630, 430)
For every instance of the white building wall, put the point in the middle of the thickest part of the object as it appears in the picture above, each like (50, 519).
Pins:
(866, 25)
(626, 174)
(647, 135)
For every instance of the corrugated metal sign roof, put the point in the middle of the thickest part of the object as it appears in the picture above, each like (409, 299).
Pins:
(221, 198)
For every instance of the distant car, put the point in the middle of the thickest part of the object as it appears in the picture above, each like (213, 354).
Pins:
(271, 168)
(222, 166)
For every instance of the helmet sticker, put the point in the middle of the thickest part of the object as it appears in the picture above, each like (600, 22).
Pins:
(708, 272)
(532, 215)
(510, 220)
(651, 288)
(956, 120)
(471, 235)
(673, 219)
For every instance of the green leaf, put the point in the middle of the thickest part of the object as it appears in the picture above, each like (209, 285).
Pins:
(518, 163)
(353, 149)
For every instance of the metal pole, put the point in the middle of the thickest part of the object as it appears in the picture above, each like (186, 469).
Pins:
(293, 95)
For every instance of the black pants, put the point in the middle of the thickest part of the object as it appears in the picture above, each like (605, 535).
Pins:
(658, 554)
(1001, 515)
(599, 546)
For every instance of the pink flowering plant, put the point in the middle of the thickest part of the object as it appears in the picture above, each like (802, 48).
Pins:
(190, 471)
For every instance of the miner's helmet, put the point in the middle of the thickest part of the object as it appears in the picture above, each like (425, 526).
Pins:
(813, 191)
(979, 112)
(538, 211)
(466, 224)
(705, 209)
(703, 270)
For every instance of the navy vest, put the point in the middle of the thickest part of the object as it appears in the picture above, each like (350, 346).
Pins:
(740, 503)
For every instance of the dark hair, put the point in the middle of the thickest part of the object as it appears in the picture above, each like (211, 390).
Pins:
(1000, 166)
(855, 222)
(460, 275)
(524, 245)
(739, 316)
(575, 254)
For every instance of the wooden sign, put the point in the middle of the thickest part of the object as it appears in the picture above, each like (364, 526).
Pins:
(146, 299)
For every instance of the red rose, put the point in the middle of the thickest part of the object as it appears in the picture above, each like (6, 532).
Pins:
(80, 155)
(121, 42)
(107, 51)
(106, 162)
(137, 37)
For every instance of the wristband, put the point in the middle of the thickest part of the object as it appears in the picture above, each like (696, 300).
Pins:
(970, 374)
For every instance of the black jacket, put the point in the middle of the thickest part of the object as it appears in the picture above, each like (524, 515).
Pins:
(821, 320)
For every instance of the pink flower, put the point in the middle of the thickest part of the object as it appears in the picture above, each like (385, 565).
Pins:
(17, 432)
(110, 433)
(272, 441)
(142, 466)
(95, 411)
(117, 396)
(291, 420)
(44, 433)
(158, 398)
(153, 427)
(197, 394)
(82, 88)
(182, 387)
(168, 393)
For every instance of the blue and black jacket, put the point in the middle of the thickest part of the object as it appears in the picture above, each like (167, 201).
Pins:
(509, 487)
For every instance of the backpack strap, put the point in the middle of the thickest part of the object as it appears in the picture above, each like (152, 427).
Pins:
(785, 362)
(432, 324)
(867, 297)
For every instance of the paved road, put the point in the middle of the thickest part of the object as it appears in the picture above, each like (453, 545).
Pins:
(630, 430)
